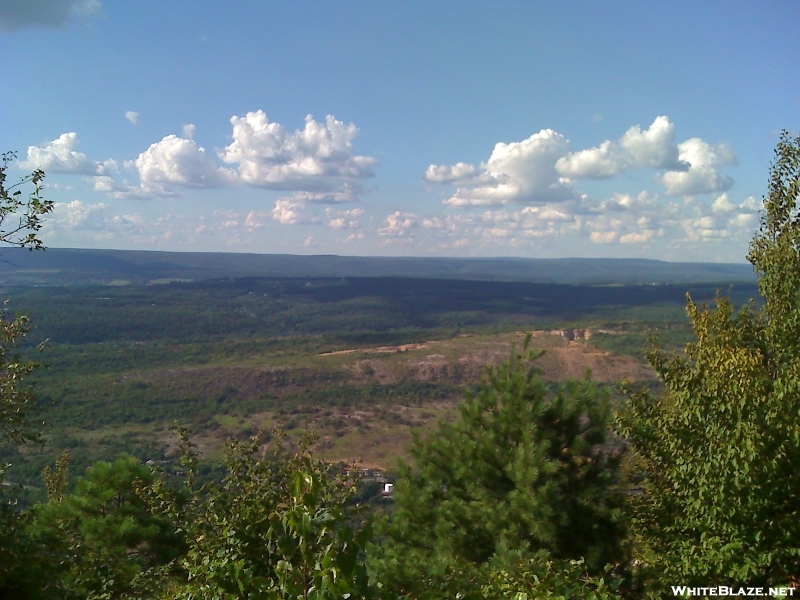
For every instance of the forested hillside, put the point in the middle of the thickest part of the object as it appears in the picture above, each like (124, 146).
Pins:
(64, 266)
(359, 360)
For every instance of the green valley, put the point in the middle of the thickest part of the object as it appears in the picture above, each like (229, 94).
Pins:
(359, 361)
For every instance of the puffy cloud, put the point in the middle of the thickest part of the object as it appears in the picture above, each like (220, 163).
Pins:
(654, 147)
(181, 162)
(348, 192)
(492, 227)
(516, 173)
(398, 224)
(81, 221)
(703, 175)
(172, 162)
(752, 204)
(78, 215)
(604, 237)
(542, 169)
(638, 219)
(703, 224)
(622, 218)
(722, 204)
(432, 223)
(531, 221)
(227, 219)
(131, 220)
(460, 173)
(124, 191)
(132, 117)
(60, 156)
(254, 220)
(743, 221)
(705, 228)
(18, 14)
(317, 161)
(291, 212)
(627, 202)
(346, 219)
(637, 237)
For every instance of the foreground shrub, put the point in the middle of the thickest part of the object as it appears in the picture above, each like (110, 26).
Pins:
(280, 525)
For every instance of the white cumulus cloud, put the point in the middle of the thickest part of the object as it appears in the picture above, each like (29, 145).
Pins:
(703, 175)
(291, 212)
(543, 169)
(344, 219)
(132, 117)
(459, 173)
(722, 204)
(79, 215)
(317, 161)
(516, 173)
(61, 156)
(181, 162)
(637, 237)
(399, 223)
(653, 147)
(255, 220)
(125, 191)
(604, 237)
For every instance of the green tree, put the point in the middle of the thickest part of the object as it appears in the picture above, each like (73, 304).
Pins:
(279, 526)
(29, 211)
(523, 473)
(718, 452)
(99, 538)
(17, 407)
(16, 396)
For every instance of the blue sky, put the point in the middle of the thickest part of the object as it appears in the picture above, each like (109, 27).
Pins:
(538, 129)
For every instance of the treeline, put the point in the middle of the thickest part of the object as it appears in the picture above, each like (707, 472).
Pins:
(145, 404)
(63, 266)
(272, 308)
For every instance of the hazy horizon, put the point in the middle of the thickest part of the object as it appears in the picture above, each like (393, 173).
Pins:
(408, 256)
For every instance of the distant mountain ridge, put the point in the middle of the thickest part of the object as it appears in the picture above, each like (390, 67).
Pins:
(69, 266)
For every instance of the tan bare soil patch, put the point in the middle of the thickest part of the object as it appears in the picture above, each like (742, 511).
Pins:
(464, 360)
(572, 361)
(379, 434)
(377, 350)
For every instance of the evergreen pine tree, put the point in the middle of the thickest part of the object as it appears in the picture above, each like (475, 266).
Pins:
(523, 473)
